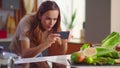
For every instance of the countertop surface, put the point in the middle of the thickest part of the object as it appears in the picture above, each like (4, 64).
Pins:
(60, 59)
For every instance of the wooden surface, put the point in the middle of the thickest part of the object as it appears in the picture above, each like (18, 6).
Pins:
(73, 47)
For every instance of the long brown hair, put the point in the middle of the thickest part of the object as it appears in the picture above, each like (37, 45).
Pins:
(37, 27)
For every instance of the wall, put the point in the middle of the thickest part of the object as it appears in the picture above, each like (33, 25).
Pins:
(115, 15)
(97, 25)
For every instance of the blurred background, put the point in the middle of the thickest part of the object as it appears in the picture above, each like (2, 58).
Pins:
(90, 21)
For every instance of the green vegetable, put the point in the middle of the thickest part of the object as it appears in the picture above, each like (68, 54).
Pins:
(89, 60)
(113, 54)
(111, 40)
(102, 51)
(106, 53)
(100, 60)
(84, 46)
(74, 57)
(109, 36)
(103, 60)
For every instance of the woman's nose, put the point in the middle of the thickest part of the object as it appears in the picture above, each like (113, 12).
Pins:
(51, 22)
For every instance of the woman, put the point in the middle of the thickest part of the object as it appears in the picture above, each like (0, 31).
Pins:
(36, 32)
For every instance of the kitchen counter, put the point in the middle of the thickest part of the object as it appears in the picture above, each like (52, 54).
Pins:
(60, 59)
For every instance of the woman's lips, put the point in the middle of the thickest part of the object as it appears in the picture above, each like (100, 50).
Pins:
(49, 27)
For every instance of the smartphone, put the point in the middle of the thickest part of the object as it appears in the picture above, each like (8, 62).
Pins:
(64, 34)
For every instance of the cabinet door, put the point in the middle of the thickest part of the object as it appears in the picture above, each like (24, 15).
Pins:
(97, 25)
(73, 47)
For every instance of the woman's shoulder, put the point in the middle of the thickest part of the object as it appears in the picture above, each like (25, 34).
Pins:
(28, 19)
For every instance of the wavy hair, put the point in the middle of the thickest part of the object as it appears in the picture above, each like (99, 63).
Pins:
(37, 27)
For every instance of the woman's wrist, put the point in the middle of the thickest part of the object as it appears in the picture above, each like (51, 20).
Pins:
(47, 44)
(64, 41)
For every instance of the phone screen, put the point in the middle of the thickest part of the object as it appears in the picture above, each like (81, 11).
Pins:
(64, 34)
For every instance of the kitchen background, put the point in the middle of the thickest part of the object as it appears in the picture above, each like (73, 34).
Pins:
(101, 17)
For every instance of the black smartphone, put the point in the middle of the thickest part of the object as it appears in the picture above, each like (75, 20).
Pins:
(63, 34)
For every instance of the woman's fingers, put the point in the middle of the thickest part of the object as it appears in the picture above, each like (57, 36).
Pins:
(70, 37)
(53, 37)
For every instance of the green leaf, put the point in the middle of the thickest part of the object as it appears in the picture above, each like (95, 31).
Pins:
(113, 54)
(109, 36)
(72, 20)
(111, 40)
(102, 51)
(84, 46)
(104, 60)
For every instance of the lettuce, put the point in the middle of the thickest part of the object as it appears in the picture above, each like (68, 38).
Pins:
(102, 51)
(106, 53)
(111, 40)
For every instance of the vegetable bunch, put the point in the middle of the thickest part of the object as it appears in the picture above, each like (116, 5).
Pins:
(104, 54)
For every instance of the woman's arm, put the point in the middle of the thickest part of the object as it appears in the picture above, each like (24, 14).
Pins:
(64, 45)
(26, 51)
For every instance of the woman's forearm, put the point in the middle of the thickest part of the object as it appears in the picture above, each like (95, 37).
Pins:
(31, 52)
(64, 46)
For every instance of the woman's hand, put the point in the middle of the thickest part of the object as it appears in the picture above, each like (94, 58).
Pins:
(69, 38)
(52, 38)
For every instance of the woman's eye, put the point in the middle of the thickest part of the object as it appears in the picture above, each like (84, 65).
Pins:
(55, 19)
(48, 18)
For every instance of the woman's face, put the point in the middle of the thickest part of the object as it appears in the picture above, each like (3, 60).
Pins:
(49, 19)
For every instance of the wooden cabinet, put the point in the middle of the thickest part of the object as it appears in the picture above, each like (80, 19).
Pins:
(98, 20)
(73, 47)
